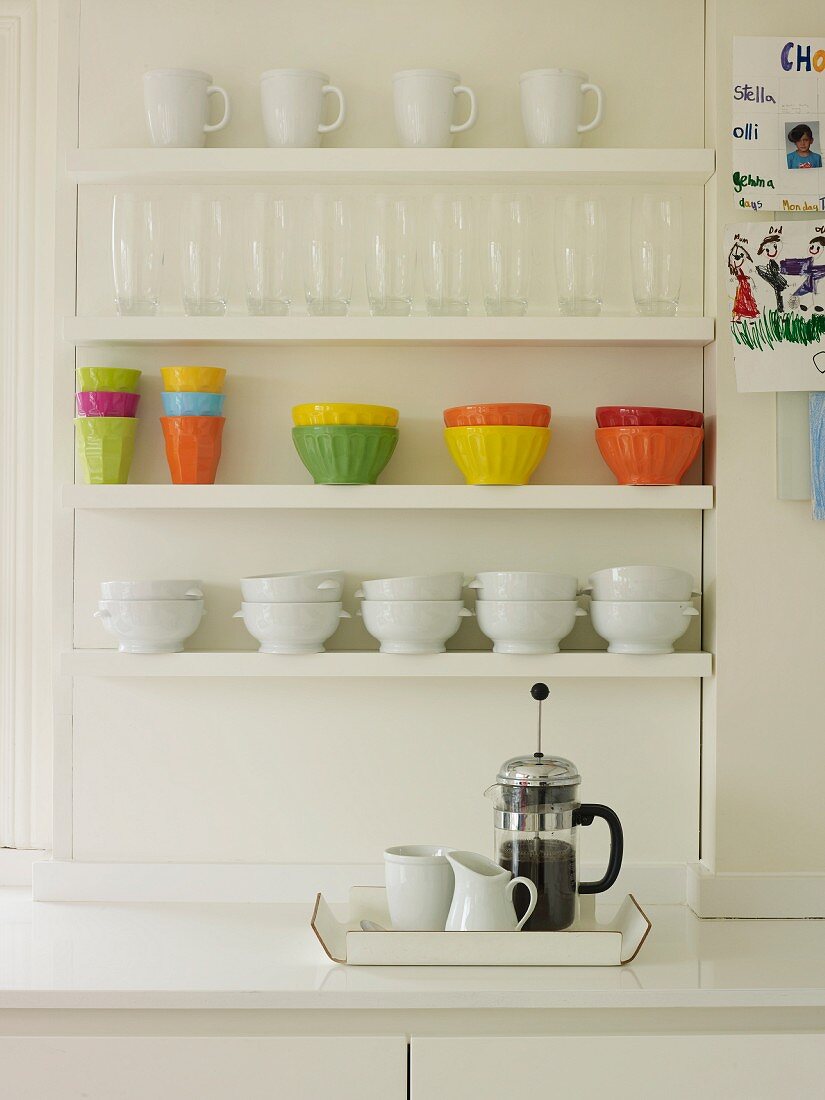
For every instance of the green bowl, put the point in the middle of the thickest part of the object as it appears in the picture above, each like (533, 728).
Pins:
(105, 445)
(344, 454)
(108, 379)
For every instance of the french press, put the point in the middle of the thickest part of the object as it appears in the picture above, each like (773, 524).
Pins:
(536, 818)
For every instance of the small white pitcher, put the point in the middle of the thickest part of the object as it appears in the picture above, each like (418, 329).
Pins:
(483, 896)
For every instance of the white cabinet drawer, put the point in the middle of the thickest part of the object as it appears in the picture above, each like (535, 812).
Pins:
(622, 1067)
(57, 1068)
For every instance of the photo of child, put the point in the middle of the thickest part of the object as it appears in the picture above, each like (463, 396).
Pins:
(801, 135)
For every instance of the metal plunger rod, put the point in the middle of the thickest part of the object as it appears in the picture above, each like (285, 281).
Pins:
(539, 692)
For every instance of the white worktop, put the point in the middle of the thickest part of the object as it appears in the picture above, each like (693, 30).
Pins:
(85, 955)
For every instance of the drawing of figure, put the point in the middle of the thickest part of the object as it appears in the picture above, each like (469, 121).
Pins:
(802, 137)
(744, 304)
(812, 272)
(770, 247)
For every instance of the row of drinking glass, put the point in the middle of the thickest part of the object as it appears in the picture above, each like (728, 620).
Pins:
(439, 234)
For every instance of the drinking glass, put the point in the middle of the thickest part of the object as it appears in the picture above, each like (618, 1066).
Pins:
(656, 254)
(580, 255)
(204, 265)
(390, 255)
(136, 255)
(268, 250)
(506, 254)
(447, 255)
(328, 255)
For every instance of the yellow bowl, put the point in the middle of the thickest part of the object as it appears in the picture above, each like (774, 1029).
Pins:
(377, 416)
(193, 379)
(497, 454)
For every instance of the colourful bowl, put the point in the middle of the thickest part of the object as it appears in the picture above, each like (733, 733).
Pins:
(625, 416)
(344, 454)
(193, 448)
(649, 455)
(497, 454)
(103, 403)
(193, 379)
(379, 416)
(105, 445)
(192, 404)
(107, 379)
(509, 413)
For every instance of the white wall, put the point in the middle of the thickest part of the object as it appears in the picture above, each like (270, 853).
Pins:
(335, 770)
(768, 750)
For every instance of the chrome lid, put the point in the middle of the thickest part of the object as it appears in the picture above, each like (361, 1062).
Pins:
(538, 770)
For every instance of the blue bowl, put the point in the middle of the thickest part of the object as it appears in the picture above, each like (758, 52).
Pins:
(192, 404)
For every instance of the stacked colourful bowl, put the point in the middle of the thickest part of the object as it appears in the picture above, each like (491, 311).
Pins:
(499, 444)
(106, 405)
(646, 445)
(193, 422)
(344, 443)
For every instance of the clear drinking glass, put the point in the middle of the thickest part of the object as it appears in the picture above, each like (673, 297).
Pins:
(328, 255)
(656, 253)
(204, 266)
(390, 255)
(580, 255)
(447, 255)
(506, 249)
(268, 253)
(136, 255)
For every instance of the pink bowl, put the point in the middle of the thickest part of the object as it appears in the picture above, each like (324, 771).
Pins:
(634, 416)
(100, 403)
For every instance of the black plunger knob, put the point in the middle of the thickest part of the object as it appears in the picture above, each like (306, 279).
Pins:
(540, 692)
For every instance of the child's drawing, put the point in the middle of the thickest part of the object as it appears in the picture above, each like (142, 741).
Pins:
(777, 304)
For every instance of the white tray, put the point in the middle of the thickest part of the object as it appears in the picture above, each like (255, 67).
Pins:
(586, 943)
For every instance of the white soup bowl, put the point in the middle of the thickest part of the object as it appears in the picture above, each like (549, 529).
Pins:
(151, 590)
(525, 586)
(150, 626)
(318, 586)
(291, 627)
(641, 583)
(439, 586)
(649, 626)
(413, 626)
(527, 626)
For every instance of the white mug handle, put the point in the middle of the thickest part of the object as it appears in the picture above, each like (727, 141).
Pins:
(330, 89)
(599, 107)
(471, 121)
(534, 897)
(215, 89)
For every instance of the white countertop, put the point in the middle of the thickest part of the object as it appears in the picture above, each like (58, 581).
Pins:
(84, 955)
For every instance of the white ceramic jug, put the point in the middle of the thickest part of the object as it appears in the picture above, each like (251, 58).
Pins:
(483, 896)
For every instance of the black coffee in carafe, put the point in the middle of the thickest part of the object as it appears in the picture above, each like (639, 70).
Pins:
(551, 867)
(537, 816)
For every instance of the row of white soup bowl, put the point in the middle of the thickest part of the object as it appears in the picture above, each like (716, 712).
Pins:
(641, 608)
(151, 616)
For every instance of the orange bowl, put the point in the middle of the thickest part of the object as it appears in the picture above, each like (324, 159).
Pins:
(513, 414)
(649, 455)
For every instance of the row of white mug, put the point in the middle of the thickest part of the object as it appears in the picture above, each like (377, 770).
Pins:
(552, 104)
(448, 235)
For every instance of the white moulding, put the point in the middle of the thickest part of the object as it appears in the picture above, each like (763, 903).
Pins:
(751, 894)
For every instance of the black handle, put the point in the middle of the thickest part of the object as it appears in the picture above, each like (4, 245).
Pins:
(585, 815)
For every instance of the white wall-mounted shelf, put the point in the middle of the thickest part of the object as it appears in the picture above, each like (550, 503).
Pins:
(373, 166)
(524, 497)
(108, 662)
(470, 331)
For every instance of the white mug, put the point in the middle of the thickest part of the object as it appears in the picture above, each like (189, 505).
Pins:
(176, 103)
(551, 107)
(419, 884)
(483, 896)
(291, 102)
(424, 101)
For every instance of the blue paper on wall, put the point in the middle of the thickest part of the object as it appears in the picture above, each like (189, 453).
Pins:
(817, 426)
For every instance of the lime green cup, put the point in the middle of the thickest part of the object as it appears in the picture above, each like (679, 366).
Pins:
(107, 379)
(105, 445)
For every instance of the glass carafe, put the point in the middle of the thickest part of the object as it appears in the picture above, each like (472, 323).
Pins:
(536, 819)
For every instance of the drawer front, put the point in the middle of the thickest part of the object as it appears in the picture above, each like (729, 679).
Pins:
(739, 1067)
(57, 1068)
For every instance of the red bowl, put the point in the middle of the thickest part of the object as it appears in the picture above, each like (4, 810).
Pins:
(509, 413)
(649, 454)
(631, 416)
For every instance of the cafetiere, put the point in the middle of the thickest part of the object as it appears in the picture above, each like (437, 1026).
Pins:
(536, 818)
